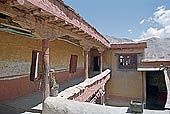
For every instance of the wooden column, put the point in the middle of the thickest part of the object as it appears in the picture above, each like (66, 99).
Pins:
(86, 64)
(101, 59)
(86, 45)
(45, 59)
(101, 62)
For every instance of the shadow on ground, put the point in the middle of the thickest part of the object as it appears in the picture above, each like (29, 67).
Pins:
(29, 104)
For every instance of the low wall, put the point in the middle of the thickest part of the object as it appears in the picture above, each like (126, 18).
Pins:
(55, 105)
(83, 91)
(16, 86)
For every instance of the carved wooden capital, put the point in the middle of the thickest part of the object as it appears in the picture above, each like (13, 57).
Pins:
(101, 50)
(44, 32)
(86, 45)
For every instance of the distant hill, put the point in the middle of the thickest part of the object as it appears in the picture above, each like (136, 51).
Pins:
(158, 49)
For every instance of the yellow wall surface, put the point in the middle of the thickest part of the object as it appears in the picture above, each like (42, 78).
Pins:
(16, 54)
(107, 59)
(126, 83)
(60, 54)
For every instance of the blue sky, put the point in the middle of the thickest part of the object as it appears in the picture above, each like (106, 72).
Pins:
(121, 18)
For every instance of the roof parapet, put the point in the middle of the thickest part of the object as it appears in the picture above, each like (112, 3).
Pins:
(131, 45)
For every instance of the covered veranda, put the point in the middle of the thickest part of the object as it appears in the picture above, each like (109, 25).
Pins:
(49, 21)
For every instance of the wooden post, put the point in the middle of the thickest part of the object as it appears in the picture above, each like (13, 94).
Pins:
(86, 48)
(101, 65)
(86, 64)
(45, 52)
(101, 58)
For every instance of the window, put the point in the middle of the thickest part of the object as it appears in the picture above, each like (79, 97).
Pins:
(127, 61)
(35, 66)
(73, 64)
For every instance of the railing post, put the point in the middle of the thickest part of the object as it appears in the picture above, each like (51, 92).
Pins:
(103, 97)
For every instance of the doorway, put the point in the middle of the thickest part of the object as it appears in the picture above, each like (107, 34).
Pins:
(96, 63)
(156, 91)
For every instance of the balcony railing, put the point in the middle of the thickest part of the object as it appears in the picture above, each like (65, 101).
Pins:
(85, 90)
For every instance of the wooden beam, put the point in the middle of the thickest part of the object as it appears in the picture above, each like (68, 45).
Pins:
(61, 24)
(75, 30)
(52, 19)
(86, 35)
(14, 3)
(68, 27)
(37, 11)
(10, 11)
(80, 32)
(66, 15)
(41, 27)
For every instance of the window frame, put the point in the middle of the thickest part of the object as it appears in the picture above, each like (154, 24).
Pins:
(73, 64)
(36, 66)
(127, 59)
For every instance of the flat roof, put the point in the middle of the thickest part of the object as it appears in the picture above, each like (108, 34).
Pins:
(129, 45)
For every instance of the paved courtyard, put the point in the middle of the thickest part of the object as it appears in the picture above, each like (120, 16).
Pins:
(31, 104)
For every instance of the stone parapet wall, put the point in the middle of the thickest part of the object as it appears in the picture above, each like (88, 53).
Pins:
(85, 90)
(54, 105)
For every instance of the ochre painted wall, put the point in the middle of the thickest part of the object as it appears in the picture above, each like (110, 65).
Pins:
(16, 54)
(15, 63)
(125, 84)
(60, 54)
(107, 59)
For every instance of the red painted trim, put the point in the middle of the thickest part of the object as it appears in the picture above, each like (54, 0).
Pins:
(12, 89)
(156, 63)
(18, 87)
(129, 45)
